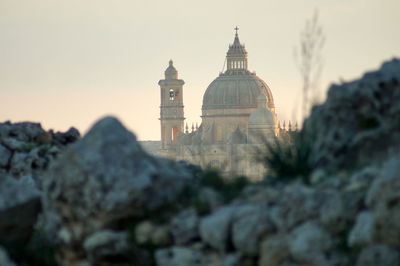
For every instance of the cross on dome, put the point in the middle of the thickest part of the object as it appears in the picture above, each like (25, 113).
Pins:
(236, 29)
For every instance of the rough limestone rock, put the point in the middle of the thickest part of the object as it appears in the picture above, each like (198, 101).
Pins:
(101, 179)
(384, 199)
(379, 254)
(184, 226)
(250, 223)
(274, 250)
(105, 243)
(362, 234)
(19, 208)
(358, 123)
(286, 214)
(144, 231)
(5, 155)
(4, 259)
(215, 228)
(332, 211)
(27, 149)
(179, 256)
(308, 242)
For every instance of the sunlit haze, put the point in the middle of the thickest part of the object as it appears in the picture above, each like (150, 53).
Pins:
(67, 63)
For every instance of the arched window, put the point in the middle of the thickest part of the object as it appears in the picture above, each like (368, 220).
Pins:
(171, 95)
(174, 133)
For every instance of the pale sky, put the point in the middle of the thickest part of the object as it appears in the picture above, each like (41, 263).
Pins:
(67, 63)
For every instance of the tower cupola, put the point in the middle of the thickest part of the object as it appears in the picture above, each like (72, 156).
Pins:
(171, 72)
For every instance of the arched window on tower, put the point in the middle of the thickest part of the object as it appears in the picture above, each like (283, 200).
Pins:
(174, 133)
(171, 95)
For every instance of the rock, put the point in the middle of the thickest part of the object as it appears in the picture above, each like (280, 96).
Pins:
(215, 228)
(210, 199)
(102, 179)
(353, 194)
(26, 149)
(151, 234)
(16, 145)
(179, 256)
(362, 233)
(143, 232)
(161, 236)
(286, 214)
(231, 260)
(250, 223)
(19, 208)
(4, 259)
(357, 124)
(105, 243)
(379, 254)
(308, 242)
(5, 155)
(332, 211)
(274, 250)
(44, 138)
(71, 136)
(184, 227)
(21, 164)
(384, 200)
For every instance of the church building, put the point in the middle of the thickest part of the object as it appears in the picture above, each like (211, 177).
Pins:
(238, 115)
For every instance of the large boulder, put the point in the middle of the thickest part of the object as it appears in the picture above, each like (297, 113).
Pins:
(308, 243)
(19, 209)
(358, 124)
(250, 223)
(215, 228)
(101, 181)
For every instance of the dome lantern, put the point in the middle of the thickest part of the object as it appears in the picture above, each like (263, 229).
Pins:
(236, 57)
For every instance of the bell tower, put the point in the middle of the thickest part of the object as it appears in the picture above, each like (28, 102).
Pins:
(171, 108)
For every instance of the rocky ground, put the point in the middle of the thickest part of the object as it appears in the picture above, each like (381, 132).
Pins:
(102, 200)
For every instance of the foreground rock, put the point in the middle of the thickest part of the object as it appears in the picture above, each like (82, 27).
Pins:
(26, 149)
(19, 208)
(358, 124)
(100, 182)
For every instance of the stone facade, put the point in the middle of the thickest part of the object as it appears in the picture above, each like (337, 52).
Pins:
(238, 116)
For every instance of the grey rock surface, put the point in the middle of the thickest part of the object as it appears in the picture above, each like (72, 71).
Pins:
(185, 226)
(103, 178)
(4, 259)
(384, 199)
(5, 155)
(362, 234)
(274, 250)
(308, 242)
(379, 254)
(215, 228)
(250, 223)
(105, 243)
(357, 124)
(19, 209)
(179, 256)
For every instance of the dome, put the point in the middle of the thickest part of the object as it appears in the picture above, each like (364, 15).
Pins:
(237, 87)
(261, 116)
(238, 90)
